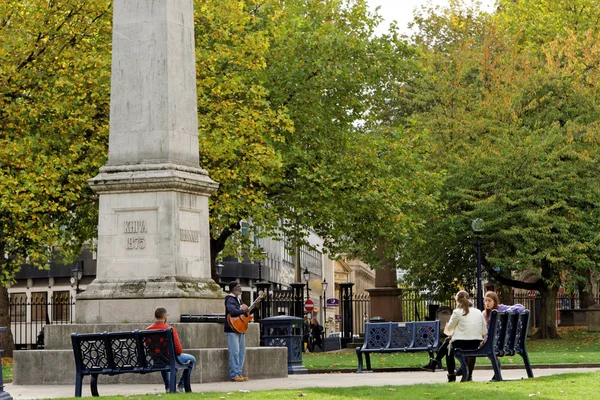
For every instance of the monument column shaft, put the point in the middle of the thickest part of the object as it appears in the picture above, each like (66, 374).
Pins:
(153, 229)
(153, 107)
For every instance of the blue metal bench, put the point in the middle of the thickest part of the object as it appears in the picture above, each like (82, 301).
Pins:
(116, 353)
(390, 337)
(507, 336)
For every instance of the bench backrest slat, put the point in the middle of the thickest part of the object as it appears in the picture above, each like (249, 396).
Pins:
(124, 351)
(377, 335)
(402, 335)
(500, 333)
(157, 349)
(427, 334)
(511, 333)
(522, 328)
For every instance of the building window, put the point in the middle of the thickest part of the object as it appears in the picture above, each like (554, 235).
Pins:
(61, 306)
(18, 307)
(39, 306)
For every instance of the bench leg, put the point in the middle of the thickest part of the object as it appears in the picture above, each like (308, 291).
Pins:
(94, 385)
(187, 380)
(464, 367)
(368, 359)
(496, 366)
(78, 384)
(360, 360)
(527, 364)
(173, 383)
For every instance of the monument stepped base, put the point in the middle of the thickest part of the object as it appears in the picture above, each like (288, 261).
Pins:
(55, 365)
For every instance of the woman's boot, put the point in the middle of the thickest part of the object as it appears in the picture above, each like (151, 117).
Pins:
(451, 378)
(471, 365)
(433, 364)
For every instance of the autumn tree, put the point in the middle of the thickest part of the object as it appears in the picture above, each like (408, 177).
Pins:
(54, 82)
(286, 100)
(514, 127)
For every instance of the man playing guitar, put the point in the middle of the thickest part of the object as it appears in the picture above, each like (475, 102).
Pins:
(236, 322)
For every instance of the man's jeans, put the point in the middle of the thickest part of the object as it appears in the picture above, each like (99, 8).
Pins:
(183, 358)
(236, 345)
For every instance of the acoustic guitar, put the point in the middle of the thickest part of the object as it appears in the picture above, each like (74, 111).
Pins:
(240, 323)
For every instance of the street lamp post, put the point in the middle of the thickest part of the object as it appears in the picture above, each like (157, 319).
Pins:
(477, 226)
(219, 271)
(306, 279)
(77, 275)
(324, 306)
(264, 253)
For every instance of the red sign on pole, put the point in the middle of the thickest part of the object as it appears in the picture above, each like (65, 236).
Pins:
(309, 305)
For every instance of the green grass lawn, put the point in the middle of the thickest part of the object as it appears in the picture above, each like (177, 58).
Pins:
(577, 346)
(559, 387)
(7, 369)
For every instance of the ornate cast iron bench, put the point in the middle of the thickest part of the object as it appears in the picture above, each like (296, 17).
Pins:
(116, 353)
(390, 337)
(507, 335)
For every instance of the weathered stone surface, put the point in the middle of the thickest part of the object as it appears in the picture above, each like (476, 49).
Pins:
(191, 335)
(212, 366)
(593, 318)
(153, 230)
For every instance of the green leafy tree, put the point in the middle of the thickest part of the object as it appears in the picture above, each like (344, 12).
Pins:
(54, 80)
(514, 127)
(283, 91)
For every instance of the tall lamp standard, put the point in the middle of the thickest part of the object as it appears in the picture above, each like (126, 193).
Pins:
(324, 306)
(219, 271)
(306, 279)
(77, 275)
(477, 226)
(264, 253)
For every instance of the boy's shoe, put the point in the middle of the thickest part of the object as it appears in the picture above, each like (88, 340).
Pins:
(180, 389)
(238, 379)
(245, 378)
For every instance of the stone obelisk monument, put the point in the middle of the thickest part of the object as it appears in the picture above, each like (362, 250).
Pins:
(153, 232)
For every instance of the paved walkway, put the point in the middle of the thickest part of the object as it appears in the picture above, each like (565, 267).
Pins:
(291, 382)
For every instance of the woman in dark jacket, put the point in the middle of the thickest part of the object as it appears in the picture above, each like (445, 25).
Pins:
(317, 334)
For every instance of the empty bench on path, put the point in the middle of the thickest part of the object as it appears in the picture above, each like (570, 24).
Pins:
(507, 334)
(140, 352)
(390, 337)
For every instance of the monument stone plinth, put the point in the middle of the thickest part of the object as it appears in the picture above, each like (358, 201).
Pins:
(153, 230)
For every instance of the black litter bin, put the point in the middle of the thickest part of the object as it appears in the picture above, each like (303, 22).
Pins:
(285, 331)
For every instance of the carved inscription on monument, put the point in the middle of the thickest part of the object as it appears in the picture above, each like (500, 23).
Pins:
(188, 235)
(135, 231)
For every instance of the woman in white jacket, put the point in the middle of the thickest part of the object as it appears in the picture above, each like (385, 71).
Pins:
(468, 331)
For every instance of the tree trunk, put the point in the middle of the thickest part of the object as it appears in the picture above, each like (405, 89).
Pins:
(7, 340)
(547, 328)
(585, 292)
(217, 245)
(548, 288)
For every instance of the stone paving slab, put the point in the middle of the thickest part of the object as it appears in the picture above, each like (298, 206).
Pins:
(331, 380)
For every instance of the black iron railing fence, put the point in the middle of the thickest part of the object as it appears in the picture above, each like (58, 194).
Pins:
(29, 316)
(422, 306)
(361, 309)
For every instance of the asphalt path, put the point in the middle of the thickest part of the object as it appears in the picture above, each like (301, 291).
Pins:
(295, 382)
